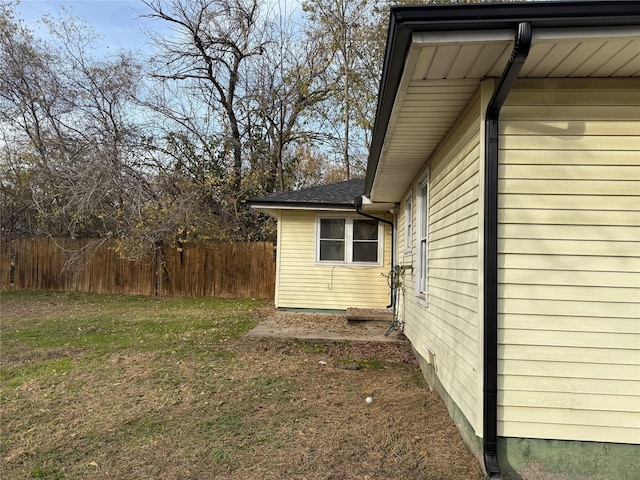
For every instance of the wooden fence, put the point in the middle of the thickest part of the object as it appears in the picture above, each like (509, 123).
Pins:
(223, 270)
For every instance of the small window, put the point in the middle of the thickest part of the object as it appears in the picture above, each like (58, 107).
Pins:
(348, 240)
(365, 241)
(332, 239)
(408, 224)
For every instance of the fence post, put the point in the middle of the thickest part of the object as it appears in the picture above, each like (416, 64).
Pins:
(159, 271)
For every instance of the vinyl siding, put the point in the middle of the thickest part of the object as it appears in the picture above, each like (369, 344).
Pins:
(445, 329)
(303, 283)
(569, 261)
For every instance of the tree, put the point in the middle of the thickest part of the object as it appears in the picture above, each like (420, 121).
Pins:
(206, 105)
(242, 81)
(63, 116)
(286, 82)
(213, 41)
(353, 32)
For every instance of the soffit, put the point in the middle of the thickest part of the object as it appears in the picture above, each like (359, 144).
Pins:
(443, 70)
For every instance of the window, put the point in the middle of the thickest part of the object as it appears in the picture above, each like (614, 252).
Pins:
(365, 241)
(408, 224)
(332, 239)
(348, 240)
(423, 238)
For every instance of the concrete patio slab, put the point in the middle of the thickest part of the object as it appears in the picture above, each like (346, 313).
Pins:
(321, 327)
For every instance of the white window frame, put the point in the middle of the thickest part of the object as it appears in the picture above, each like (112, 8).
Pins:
(408, 223)
(349, 218)
(422, 238)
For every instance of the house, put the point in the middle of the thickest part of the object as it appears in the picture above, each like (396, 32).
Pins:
(330, 256)
(508, 136)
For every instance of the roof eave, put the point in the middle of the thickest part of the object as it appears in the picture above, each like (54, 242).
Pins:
(405, 20)
(301, 206)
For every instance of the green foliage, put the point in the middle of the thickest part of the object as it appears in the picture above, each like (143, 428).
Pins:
(44, 369)
(180, 326)
(371, 364)
(310, 348)
(46, 473)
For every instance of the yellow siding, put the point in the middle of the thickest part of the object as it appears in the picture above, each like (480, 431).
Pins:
(303, 283)
(569, 278)
(447, 324)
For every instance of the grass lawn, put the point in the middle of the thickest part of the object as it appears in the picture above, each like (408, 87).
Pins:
(115, 387)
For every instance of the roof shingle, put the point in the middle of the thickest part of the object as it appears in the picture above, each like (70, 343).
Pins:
(340, 194)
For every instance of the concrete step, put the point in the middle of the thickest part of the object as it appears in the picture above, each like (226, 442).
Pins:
(369, 315)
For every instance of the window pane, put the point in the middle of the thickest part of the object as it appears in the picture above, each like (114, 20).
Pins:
(365, 230)
(332, 228)
(408, 219)
(409, 209)
(422, 217)
(423, 266)
(332, 250)
(365, 252)
(424, 221)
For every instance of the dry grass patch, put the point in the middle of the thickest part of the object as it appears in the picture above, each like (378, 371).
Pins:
(171, 389)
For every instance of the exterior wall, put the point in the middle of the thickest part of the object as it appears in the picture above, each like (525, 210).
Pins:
(569, 261)
(445, 329)
(304, 283)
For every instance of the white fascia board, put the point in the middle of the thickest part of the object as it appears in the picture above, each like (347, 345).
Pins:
(366, 200)
(470, 36)
(542, 34)
(272, 212)
(488, 36)
(369, 206)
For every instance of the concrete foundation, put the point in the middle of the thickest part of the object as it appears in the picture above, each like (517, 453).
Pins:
(537, 459)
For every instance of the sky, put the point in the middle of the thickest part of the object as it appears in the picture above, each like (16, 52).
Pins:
(116, 21)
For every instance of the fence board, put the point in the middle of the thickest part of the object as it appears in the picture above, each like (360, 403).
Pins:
(225, 270)
(5, 264)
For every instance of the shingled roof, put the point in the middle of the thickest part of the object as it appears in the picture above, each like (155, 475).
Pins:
(333, 195)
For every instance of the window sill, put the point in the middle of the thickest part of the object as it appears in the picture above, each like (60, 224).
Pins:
(422, 300)
(348, 264)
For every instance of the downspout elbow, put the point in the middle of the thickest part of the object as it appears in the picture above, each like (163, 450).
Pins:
(358, 201)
